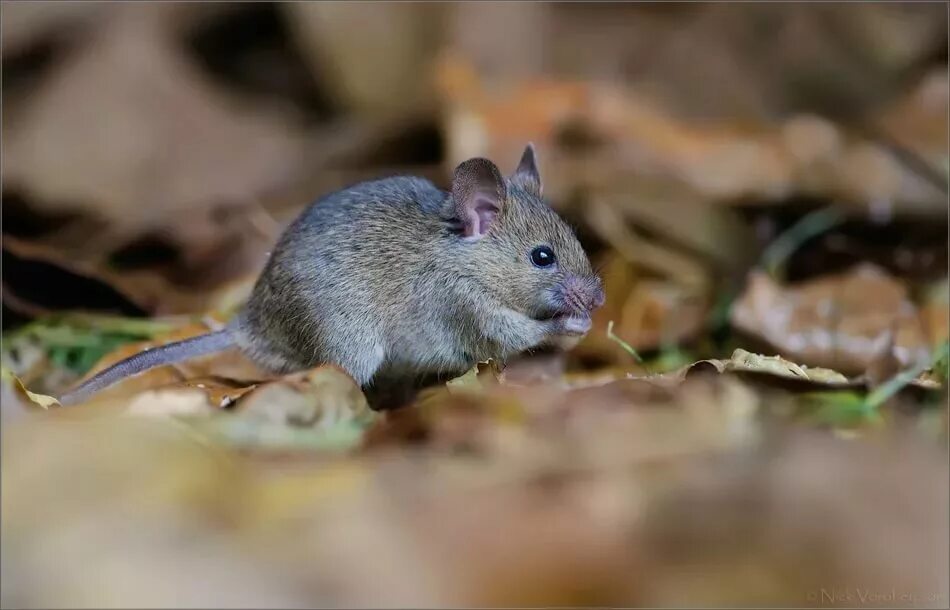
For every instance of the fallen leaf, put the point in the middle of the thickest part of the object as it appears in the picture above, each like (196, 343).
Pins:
(39, 400)
(839, 321)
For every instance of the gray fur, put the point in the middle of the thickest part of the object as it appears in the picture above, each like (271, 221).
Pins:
(380, 279)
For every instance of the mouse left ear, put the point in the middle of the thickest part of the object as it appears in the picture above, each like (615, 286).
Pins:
(527, 175)
(478, 192)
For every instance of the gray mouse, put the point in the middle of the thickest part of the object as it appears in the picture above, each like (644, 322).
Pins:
(395, 279)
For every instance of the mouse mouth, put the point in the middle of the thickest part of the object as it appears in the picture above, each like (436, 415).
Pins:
(572, 323)
(549, 315)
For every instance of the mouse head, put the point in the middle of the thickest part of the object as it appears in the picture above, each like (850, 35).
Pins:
(518, 248)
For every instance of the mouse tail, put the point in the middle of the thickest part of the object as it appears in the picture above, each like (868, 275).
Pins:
(150, 358)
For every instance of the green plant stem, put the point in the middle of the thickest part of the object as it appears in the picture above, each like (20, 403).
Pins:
(626, 346)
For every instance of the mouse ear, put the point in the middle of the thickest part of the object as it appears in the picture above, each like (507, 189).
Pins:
(479, 193)
(527, 175)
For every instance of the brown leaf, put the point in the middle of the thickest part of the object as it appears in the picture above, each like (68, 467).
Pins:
(25, 396)
(837, 321)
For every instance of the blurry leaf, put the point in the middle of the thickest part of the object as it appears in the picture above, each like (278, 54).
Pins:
(770, 371)
(40, 400)
(838, 321)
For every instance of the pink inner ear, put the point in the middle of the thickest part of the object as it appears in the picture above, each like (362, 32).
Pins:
(481, 217)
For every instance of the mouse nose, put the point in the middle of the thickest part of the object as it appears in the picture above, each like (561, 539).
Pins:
(583, 294)
(598, 296)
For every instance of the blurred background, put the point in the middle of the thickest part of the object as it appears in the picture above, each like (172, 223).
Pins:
(766, 176)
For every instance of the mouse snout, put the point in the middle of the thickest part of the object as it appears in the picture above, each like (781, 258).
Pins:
(582, 295)
(598, 293)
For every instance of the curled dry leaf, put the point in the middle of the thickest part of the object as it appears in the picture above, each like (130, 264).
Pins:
(26, 397)
(742, 360)
(839, 321)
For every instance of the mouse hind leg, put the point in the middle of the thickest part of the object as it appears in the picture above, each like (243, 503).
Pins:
(360, 355)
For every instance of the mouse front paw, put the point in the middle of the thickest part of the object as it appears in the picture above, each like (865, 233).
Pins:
(572, 325)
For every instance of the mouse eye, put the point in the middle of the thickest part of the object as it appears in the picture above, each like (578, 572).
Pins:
(542, 256)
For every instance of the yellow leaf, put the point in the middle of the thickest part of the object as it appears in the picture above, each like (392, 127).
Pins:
(41, 400)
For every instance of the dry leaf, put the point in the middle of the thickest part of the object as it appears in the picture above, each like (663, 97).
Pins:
(838, 321)
(31, 398)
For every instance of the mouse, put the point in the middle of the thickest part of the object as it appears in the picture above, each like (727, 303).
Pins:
(395, 279)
